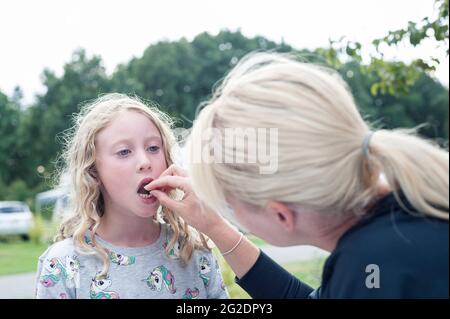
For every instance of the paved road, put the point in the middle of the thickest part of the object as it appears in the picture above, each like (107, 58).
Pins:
(21, 286)
(291, 254)
(17, 286)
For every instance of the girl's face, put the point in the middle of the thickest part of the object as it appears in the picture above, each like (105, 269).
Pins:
(130, 154)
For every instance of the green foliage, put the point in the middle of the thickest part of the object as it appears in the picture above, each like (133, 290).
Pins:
(179, 75)
(19, 257)
(426, 104)
(84, 78)
(256, 240)
(234, 290)
(10, 117)
(397, 78)
(309, 271)
(416, 32)
(37, 229)
(17, 190)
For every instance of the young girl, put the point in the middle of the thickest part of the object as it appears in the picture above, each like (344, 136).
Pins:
(118, 241)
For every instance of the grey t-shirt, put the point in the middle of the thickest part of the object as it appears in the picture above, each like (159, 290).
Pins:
(141, 272)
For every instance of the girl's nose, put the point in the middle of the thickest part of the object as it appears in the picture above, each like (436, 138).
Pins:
(144, 163)
(144, 167)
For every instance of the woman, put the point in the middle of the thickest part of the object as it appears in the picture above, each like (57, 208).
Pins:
(378, 201)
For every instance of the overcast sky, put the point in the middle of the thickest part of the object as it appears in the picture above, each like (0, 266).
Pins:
(39, 34)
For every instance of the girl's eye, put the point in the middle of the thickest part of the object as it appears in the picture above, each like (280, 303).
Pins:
(124, 152)
(153, 149)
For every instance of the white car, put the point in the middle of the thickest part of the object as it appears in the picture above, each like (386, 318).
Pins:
(15, 219)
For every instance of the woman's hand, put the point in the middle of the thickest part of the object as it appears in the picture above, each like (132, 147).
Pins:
(195, 213)
(190, 208)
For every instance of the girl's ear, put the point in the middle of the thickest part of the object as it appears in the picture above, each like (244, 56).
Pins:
(94, 174)
(282, 214)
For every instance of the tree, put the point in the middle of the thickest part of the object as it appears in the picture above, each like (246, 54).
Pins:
(427, 103)
(179, 75)
(9, 123)
(397, 77)
(83, 79)
(17, 95)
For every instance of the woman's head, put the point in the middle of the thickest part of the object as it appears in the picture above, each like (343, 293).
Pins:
(117, 145)
(321, 164)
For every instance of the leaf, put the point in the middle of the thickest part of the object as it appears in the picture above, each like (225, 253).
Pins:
(374, 89)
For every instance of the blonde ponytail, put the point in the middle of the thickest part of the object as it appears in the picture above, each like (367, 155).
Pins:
(415, 166)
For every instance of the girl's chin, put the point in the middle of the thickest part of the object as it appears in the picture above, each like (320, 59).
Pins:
(147, 214)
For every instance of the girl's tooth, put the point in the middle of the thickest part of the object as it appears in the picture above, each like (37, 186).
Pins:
(145, 195)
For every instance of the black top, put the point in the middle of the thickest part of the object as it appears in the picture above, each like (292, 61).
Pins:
(393, 252)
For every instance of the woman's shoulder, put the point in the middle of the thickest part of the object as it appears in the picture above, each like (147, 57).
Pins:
(394, 227)
(394, 255)
(395, 242)
(396, 238)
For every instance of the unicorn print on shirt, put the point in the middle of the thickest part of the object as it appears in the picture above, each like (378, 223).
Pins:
(174, 252)
(191, 293)
(159, 277)
(73, 272)
(121, 260)
(98, 288)
(205, 270)
(53, 271)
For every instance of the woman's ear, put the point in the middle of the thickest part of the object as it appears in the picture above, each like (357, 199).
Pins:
(282, 214)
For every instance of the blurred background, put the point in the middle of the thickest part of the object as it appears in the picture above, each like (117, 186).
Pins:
(57, 54)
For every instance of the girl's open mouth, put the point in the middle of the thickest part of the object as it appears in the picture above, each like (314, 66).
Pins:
(142, 192)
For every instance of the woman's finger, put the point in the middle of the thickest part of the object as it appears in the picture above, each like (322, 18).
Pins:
(174, 170)
(166, 201)
(168, 182)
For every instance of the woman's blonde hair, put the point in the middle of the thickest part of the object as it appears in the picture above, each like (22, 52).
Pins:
(321, 159)
(86, 200)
